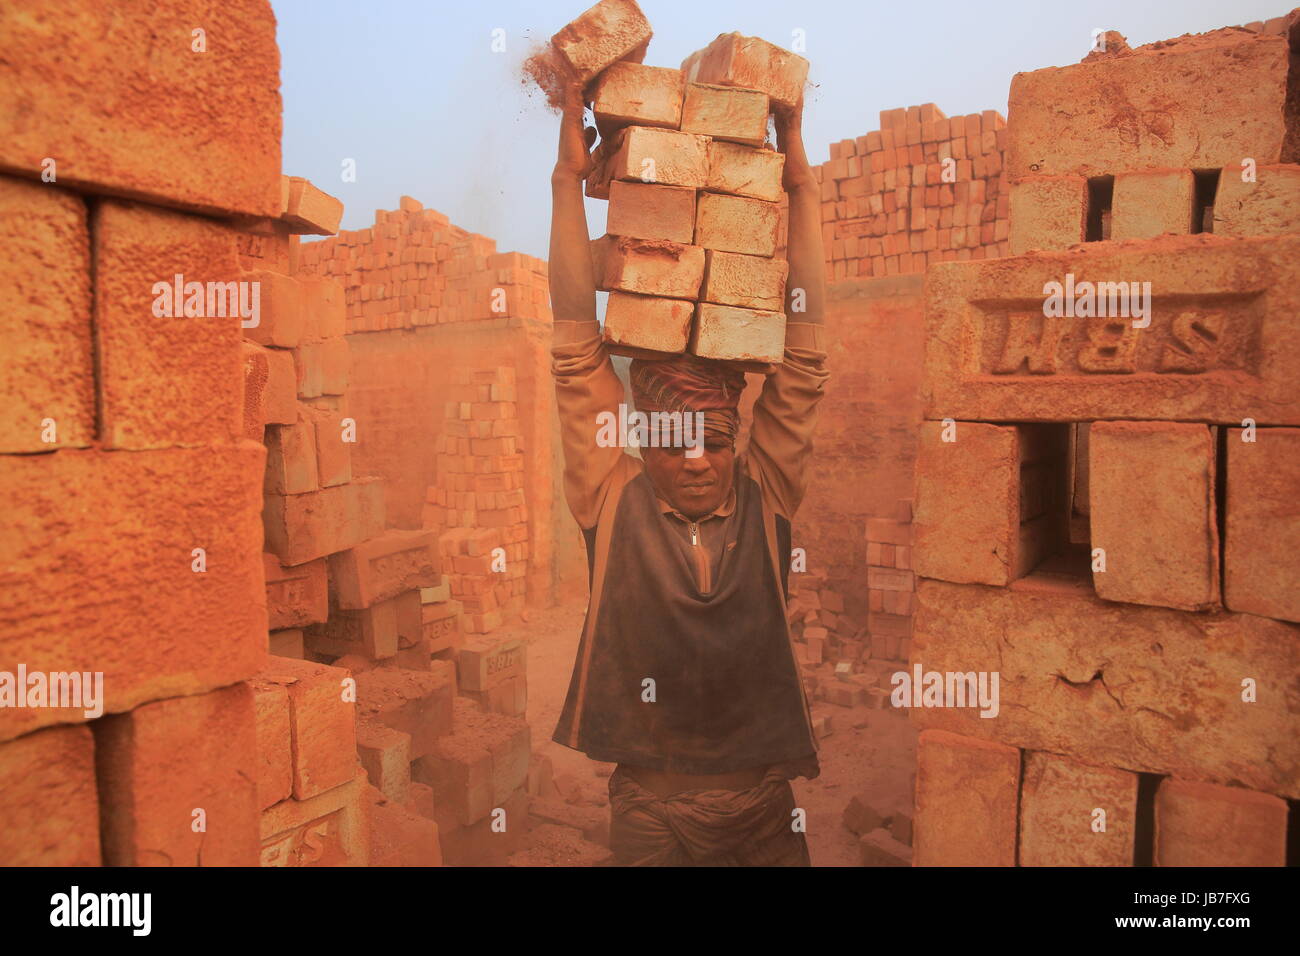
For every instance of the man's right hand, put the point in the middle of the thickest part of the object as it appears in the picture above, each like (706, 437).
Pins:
(574, 160)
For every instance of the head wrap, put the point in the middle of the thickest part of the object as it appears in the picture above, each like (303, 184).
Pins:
(687, 383)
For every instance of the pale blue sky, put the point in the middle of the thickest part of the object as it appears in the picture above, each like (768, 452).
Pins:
(413, 92)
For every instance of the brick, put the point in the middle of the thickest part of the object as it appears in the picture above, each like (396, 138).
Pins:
(633, 94)
(147, 99)
(1237, 311)
(744, 171)
(281, 386)
(737, 224)
(966, 801)
(291, 458)
(301, 528)
(1152, 202)
(1058, 824)
(371, 633)
(1269, 206)
(274, 743)
(889, 579)
(417, 703)
(384, 567)
(47, 371)
(481, 845)
(878, 848)
(386, 756)
(660, 156)
(751, 63)
(745, 335)
(48, 799)
(484, 662)
(333, 454)
(330, 829)
(281, 321)
(1165, 473)
(335, 358)
(651, 211)
(647, 322)
(150, 510)
(295, 596)
(401, 834)
(1206, 129)
(1262, 536)
(889, 531)
(1201, 824)
(286, 643)
(324, 308)
(1084, 677)
(322, 723)
(441, 626)
(609, 31)
(748, 282)
(309, 210)
(1048, 212)
(734, 115)
(164, 380)
(164, 760)
(649, 267)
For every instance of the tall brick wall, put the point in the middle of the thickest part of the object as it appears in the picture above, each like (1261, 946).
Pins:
(1107, 506)
(924, 188)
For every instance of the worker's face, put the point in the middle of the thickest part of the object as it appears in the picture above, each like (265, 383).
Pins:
(694, 484)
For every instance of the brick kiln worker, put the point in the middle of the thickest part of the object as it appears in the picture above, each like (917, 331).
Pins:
(688, 560)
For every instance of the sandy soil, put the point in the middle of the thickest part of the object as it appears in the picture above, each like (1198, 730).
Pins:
(869, 753)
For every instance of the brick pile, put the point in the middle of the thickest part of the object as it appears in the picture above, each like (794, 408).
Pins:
(1145, 642)
(478, 501)
(132, 545)
(691, 235)
(413, 268)
(924, 188)
(890, 584)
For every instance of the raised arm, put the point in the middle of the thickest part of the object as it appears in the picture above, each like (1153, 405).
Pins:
(785, 414)
(586, 385)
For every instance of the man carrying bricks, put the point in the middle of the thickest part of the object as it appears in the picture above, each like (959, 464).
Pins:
(685, 676)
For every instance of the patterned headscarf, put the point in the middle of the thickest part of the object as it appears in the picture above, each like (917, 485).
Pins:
(687, 383)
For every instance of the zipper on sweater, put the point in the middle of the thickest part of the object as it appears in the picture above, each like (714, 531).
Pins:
(703, 577)
(695, 534)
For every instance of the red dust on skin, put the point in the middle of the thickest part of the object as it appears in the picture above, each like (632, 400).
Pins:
(694, 486)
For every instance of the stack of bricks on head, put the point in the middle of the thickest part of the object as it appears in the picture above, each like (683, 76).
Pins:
(694, 189)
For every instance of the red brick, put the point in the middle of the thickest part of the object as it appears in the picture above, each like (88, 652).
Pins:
(1203, 824)
(147, 98)
(291, 458)
(1165, 473)
(751, 63)
(749, 282)
(734, 115)
(300, 528)
(1048, 212)
(638, 95)
(745, 335)
(1058, 800)
(967, 797)
(647, 322)
(1269, 206)
(322, 723)
(386, 756)
(610, 31)
(47, 370)
(414, 702)
(650, 267)
(117, 593)
(737, 224)
(163, 380)
(274, 743)
(295, 596)
(164, 760)
(371, 633)
(331, 829)
(1151, 202)
(48, 799)
(484, 662)
(1262, 539)
(384, 567)
(651, 211)
(744, 171)
(308, 210)
(281, 321)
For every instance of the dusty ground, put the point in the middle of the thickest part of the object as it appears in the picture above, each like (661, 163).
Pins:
(869, 753)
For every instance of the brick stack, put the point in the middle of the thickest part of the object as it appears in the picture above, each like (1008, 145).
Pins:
(413, 268)
(694, 192)
(131, 543)
(890, 584)
(892, 203)
(479, 498)
(1146, 660)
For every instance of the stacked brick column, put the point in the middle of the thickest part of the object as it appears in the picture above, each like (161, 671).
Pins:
(133, 540)
(924, 188)
(1146, 642)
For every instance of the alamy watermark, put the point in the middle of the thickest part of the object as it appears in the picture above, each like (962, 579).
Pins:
(922, 688)
(198, 300)
(1098, 300)
(633, 429)
(82, 689)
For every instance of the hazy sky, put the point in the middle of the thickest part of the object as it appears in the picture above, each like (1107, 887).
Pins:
(413, 92)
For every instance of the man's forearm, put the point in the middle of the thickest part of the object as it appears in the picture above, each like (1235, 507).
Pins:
(806, 256)
(573, 284)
